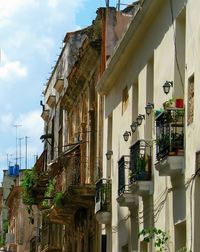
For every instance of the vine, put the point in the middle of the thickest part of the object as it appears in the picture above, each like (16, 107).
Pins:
(49, 193)
(159, 237)
(28, 183)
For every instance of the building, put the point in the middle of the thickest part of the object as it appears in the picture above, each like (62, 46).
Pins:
(73, 114)
(22, 231)
(18, 228)
(152, 160)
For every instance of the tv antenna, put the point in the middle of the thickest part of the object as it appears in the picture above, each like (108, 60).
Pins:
(16, 127)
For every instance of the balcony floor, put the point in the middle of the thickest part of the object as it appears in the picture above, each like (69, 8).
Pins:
(127, 199)
(170, 166)
(142, 188)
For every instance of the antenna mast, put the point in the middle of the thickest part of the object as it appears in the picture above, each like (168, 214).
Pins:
(16, 126)
(107, 3)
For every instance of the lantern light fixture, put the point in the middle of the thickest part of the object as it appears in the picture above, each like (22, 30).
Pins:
(109, 154)
(149, 108)
(139, 119)
(167, 86)
(126, 135)
(134, 126)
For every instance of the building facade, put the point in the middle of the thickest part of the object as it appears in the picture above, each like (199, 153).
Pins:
(73, 114)
(151, 129)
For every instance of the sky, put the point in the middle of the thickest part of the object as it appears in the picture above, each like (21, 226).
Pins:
(31, 35)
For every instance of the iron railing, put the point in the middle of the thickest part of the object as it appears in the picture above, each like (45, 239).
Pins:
(123, 174)
(103, 195)
(140, 160)
(169, 132)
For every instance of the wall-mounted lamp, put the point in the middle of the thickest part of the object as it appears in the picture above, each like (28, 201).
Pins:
(167, 86)
(109, 154)
(126, 135)
(139, 119)
(149, 108)
(134, 126)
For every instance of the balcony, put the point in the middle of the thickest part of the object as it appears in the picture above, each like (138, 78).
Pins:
(125, 196)
(45, 115)
(59, 84)
(170, 142)
(76, 193)
(51, 239)
(103, 201)
(140, 167)
(51, 101)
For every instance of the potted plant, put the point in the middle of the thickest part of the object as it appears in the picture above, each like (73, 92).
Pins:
(169, 104)
(142, 173)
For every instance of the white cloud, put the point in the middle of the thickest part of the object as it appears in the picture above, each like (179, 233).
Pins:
(32, 124)
(53, 3)
(11, 69)
(6, 121)
(8, 9)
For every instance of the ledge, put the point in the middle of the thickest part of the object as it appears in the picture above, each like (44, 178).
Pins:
(127, 199)
(142, 188)
(59, 85)
(45, 115)
(103, 217)
(51, 101)
(170, 166)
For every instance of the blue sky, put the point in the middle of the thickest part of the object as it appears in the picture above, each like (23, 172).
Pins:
(31, 34)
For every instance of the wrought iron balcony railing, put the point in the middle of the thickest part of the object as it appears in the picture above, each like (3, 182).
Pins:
(73, 176)
(123, 174)
(169, 133)
(140, 161)
(103, 195)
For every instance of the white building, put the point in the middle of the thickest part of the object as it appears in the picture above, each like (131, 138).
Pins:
(155, 184)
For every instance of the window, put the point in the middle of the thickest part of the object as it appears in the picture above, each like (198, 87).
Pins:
(190, 114)
(124, 99)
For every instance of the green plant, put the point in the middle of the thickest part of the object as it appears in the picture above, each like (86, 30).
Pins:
(169, 103)
(183, 249)
(159, 237)
(5, 226)
(57, 200)
(28, 183)
(49, 193)
(141, 164)
(2, 240)
(163, 141)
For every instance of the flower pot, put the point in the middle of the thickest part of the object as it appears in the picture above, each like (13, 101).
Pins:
(179, 103)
